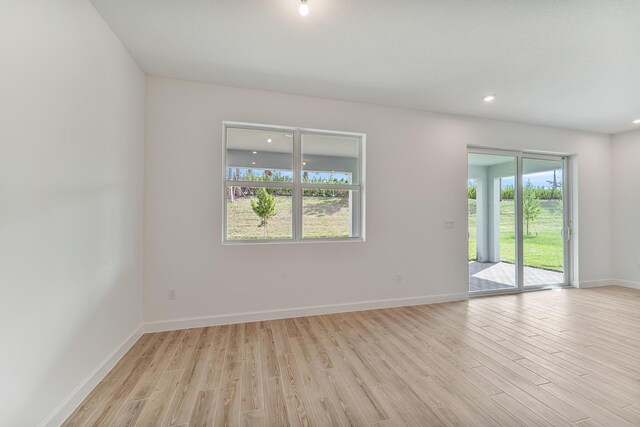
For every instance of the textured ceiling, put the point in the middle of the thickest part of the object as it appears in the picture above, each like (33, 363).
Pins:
(566, 63)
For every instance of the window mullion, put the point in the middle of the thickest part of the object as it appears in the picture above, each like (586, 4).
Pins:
(297, 186)
(351, 187)
(267, 184)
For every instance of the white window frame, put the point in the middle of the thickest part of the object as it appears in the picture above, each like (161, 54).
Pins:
(297, 186)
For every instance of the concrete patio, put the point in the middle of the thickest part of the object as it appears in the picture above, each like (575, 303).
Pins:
(485, 276)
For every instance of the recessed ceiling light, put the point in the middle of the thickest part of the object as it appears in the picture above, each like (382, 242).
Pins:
(255, 152)
(304, 163)
(304, 8)
(636, 122)
(253, 163)
(489, 98)
(269, 140)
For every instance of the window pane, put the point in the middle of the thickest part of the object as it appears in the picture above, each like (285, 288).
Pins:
(249, 215)
(329, 213)
(259, 155)
(330, 159)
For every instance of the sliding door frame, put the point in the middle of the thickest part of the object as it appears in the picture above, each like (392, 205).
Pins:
(567, 225)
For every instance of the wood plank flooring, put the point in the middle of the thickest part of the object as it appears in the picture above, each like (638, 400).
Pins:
(543, 358)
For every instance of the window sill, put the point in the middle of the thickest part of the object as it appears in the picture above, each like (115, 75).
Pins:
(292, 241)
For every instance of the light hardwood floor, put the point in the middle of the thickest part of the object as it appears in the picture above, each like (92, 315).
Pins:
(543, 358)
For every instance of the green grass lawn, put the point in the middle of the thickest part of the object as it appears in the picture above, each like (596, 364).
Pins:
(325, 217)
(543, 246)
(322, 217)
(473, 250)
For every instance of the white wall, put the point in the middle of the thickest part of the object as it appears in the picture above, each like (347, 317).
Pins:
(71, 182)
(405, 227)
(626, 208)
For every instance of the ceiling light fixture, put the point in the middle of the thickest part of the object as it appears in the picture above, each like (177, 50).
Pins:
(304, 163)
(489, 98)
(636, 122)
(269, 140)
(304, 8)
(255, 152)
(253, 163)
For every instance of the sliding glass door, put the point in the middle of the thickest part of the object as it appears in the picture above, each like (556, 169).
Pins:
(518, 221)
(543, 214)
(492, 222)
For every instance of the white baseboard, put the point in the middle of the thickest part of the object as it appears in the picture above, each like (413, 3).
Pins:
(627, 284)
(593, 283)
(608, 282)
(224, 319)
(84, 388)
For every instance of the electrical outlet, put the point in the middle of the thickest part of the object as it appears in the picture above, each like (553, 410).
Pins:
(172, 294)
(398, 278)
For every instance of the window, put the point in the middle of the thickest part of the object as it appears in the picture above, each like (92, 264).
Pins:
(290, 185)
